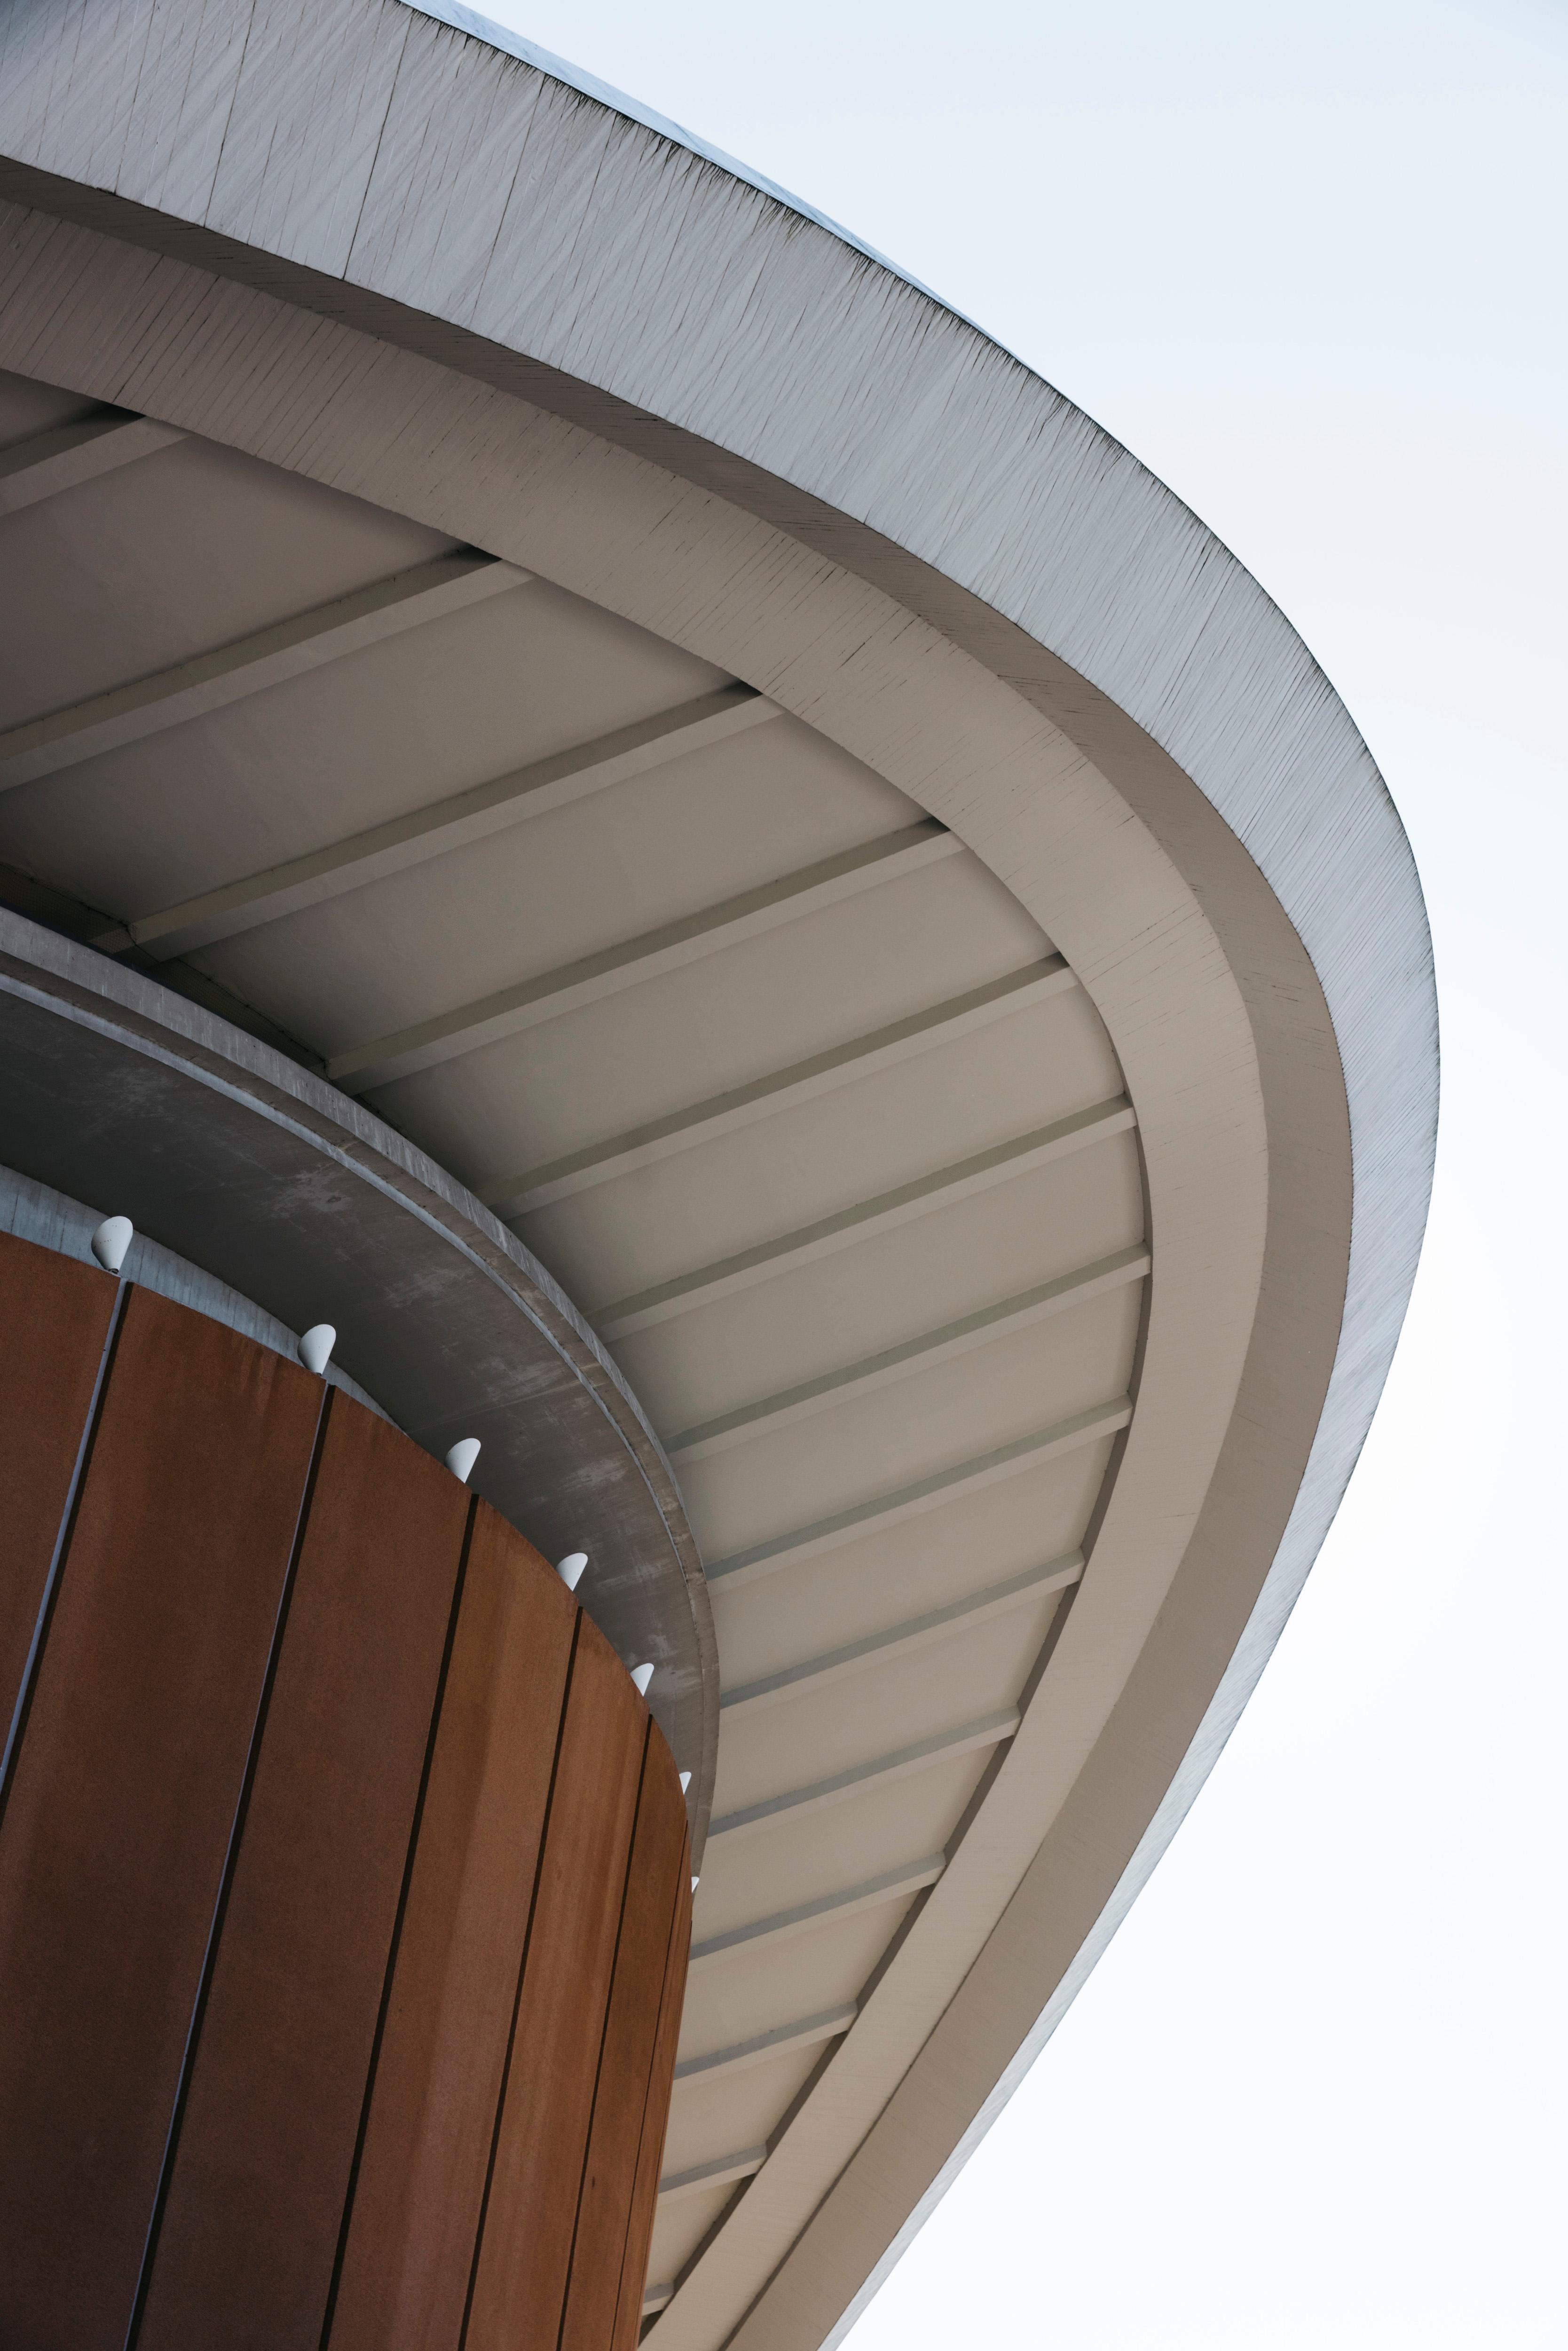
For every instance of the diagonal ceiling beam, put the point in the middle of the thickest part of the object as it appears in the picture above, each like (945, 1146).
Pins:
(901, 1640)
(840, 1065)
(211, 681)
(999, 1165)
(1102, 1420)
(893, 1885)
(990, 1731)
(782, 2042)
(66, 455)
(445, 825)
(931, 1347)
(722, 2172)
(629, 965)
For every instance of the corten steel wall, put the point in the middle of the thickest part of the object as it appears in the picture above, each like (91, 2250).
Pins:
(344, 1894)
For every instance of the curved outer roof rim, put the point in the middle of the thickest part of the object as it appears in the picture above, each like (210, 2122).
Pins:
(1212, 670)
(561, 70)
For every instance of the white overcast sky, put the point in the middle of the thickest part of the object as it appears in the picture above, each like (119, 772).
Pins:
(1309, 263)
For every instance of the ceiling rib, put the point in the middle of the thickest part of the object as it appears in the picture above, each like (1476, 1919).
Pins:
(999, 1165)
(718, 2174)
(840, 1065)
(48, 462)
(893, 1885)
(939, 1347)
(781, 2043)
(899, 1640)
(444, 825)
(924, 1494)
(990, 1731)
(211, 681)
(592, 978)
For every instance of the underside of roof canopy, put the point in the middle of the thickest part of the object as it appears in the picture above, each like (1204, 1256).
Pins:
(635, 697)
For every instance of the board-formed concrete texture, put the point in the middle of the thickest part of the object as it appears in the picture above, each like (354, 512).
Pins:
(756, 799)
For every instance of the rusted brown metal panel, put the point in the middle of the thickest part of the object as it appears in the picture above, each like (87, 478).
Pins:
(524, 2250)
(113, 1846)
(653, 1888)
(655, 2120)
(54, 1321)
(331, 1987)
(412, 2231)
(260, 2171)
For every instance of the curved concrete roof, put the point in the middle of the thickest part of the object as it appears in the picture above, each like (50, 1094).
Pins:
(802, 824)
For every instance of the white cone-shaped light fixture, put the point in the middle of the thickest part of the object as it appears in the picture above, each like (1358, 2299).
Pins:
(316, 1347)
(685, 1782)
(462, 1458)
(569, 1569)
(642, 1676)
(695, 1882)
(111, 1240)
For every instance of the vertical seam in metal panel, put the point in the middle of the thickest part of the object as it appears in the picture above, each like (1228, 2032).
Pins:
(604, 2035)
(680, 1870)
(45, 1618)
(225, 1883)
(517, 1994)
(330, 2310)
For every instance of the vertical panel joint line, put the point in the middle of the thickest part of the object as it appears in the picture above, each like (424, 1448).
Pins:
(517, 1994)
(682, 1875)
(45, 1618)
(604, 2034)
(330, 2310)
(226, 1881)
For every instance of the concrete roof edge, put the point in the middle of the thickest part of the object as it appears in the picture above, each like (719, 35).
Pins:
(561, 70)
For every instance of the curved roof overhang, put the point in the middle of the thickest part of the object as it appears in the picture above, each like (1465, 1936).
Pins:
(663, 388)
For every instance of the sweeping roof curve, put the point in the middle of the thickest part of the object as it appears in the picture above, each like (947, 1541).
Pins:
(745, 475)
(561, 70)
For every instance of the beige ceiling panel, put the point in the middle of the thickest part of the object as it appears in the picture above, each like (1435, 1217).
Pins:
(709, 2119)
(823, 979)
(756, 1991)
(800, 1861)
(980, 1668)
(957, 1411)
(903, 1213)
(451, 703)
(27, 407)
(679, 2226)
(726, 819)
(927, 1563)
(148, 561)
(894, 1284)
(932, 1111)
(852, 1382)
(226, 795)
(805, 796)
(574, 882)
(925, 1116)
(845, 1062)
(614, 871)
